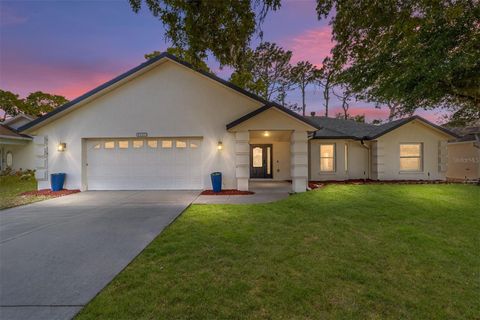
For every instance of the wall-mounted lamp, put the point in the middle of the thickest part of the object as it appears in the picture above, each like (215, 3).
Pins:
(62, 146)
(220, 145)
(266, 134)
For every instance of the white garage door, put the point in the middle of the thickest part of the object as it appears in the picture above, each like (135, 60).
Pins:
(144, 164)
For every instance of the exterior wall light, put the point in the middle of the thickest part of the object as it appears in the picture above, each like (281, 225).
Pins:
(220, 145)
(266, 134)
(62, 146)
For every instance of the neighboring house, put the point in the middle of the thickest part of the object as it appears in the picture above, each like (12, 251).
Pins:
(464, 155)
(15, 148)
(163, 125)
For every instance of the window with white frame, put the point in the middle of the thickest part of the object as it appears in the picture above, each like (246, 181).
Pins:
(327, 157)
(411, 156)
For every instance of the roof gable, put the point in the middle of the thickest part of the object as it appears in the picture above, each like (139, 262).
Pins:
(332, 128)
(264, 116)
(92, 94)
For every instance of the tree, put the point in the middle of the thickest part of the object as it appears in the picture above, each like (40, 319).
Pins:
(265, 71)
(35, 104)
(303, 74)
(345, 97)
(39, 103)
(325, 77)
(421, 54)
(199, 64)
(224, 28)
(10, 103)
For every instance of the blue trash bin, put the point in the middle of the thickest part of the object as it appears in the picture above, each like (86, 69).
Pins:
(57, 180)
(216, 181)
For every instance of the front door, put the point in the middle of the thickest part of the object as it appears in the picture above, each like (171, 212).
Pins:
(261, 161)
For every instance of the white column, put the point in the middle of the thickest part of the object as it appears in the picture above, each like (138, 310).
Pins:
(242, 159)
(299, 160)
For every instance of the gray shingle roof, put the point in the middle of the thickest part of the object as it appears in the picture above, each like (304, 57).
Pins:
(332, 128)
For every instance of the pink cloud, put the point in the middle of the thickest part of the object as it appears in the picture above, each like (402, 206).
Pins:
(312, 45)
(23, 76)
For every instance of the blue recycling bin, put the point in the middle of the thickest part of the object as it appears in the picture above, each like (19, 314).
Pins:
(216, 181)
(57, 180)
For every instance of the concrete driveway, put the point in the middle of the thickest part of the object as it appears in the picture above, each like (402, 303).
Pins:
(56, 255)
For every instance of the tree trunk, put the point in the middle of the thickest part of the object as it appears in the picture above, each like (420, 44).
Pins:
(304, 106)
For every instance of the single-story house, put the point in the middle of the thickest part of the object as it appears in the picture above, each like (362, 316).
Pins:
(164, 125)
(464, 155)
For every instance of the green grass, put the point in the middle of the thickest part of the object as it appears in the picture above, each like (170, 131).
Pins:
(10, 189)
(342, 252)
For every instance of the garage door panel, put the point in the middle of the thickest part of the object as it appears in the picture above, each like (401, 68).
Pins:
(144, 164)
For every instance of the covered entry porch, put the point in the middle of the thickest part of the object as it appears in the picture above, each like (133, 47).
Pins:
(271, 144)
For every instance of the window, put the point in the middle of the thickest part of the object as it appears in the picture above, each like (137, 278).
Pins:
(9, 159)
(96, 146)
(123, 144)
(137, 144)
(193, 145)
(257, 157)
(327, 157)
(153, 144)
(346, 157)
(411, 157)
(166, 143)
(109, 145)
(180, 144)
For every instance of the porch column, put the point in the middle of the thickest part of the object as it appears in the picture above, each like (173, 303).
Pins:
(299, 160)
(242, 159)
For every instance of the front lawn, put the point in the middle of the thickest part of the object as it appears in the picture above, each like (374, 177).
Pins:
(342, 252)
(11, 188)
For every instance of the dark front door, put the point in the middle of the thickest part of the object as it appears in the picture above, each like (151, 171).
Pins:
(261, 161)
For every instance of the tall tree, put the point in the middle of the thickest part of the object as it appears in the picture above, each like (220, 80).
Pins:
(422, 54)
(224, 28)
(10, 103)
(35, 104)
(345, 96)
(265, 71)
(326, 80)
(39, 103)
(303, 74)
(186, 56)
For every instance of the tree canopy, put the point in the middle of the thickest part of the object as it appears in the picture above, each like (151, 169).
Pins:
(224, 28)
(186, 56)
(421, 54)
(35, 104)
(264, 71)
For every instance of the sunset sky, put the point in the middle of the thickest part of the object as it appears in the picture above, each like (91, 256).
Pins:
(70, 47)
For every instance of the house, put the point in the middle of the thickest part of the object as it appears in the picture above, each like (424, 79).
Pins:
(164, 125)
(15, 148)
(464, 155)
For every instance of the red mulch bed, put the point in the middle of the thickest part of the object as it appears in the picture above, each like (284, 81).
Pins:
(50, 193)
(226, 192)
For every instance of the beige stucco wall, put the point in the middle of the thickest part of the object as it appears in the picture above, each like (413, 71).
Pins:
(386, 153)
(463, 161)
(280, 156)
(168, 101)
(357, 161)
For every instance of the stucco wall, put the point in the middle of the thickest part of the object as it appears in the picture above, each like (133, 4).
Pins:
(357, 161)
(387, 153)
(167, 101)
(463, 161)
(22, 155)
(281, 157)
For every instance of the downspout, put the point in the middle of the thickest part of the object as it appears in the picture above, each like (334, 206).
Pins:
(369, 157)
